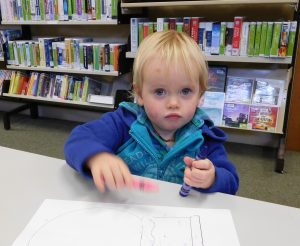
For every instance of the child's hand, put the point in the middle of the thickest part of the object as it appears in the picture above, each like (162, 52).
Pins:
(199, 173)
(109, 170)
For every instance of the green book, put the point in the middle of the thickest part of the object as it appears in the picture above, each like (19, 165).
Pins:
(24, 9)
(257, 38)
(31, 54)
(275, 39)
(222, 38)
(179, 26)
(98, 9)
(70, 12)
(114, 9)
(263, 37)
(141, 32)
(251, 40)
(74, 7)
(150, 30)
(28, 9)
(166, 26)
(292, 37)
(42, 9)
(11, 52)
(269, 38)
(85, 89)
(96, 50)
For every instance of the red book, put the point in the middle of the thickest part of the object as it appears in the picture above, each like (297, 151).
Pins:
(195, 28)
(237, 29)
(172, 24)
(146, 29)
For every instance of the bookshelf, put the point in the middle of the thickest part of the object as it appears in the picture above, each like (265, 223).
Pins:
(243, 66)
(63, 23)
(63, 70)
(104, 30)
(237, 59)
(204, 3)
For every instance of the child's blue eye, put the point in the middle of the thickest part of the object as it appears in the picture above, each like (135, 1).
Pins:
(186, 91)
(160, 92)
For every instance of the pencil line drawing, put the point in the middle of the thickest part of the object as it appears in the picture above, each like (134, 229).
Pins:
(114, 227)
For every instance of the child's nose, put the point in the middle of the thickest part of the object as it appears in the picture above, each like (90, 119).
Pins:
(173, 102)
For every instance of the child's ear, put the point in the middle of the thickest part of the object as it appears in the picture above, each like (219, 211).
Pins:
(138, 95)
(201, 100)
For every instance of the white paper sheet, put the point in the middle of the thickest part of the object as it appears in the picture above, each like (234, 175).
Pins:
(73, 223)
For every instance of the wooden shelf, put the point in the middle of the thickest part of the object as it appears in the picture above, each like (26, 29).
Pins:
(246, 129)
(63, 70)
(62, 101)
(63, 23)
(244, 59)
(206, 2)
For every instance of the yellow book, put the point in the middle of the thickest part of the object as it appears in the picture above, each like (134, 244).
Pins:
(12, 81)
(16, 83)
(31, 82)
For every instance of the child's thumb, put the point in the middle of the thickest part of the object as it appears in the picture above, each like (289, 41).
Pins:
(188, 161)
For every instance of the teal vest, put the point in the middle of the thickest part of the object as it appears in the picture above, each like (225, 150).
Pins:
(147, 155)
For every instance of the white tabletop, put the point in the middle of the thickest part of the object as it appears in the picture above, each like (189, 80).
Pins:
(27, 179)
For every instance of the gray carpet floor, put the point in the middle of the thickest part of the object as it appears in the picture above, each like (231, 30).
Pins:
(255, 164)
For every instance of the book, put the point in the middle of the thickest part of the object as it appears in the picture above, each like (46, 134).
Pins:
(235, 115)
(212, 104)
(268, 91)
(217, 78)
(263, 118)
(228, 38)
(292, 37)
(239, 90)
(100, 99)
(237, 31)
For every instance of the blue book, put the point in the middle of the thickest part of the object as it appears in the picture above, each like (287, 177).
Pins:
(215, 41)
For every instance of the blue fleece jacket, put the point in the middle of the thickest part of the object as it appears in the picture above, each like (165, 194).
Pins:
(114, 130)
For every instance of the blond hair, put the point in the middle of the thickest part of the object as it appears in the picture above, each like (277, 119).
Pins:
(173, 48)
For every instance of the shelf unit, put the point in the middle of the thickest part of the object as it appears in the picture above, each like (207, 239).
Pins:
(203, 3)
(243, 59)
(225, 10)
(64, 23)
(63, 70)
(31, 29)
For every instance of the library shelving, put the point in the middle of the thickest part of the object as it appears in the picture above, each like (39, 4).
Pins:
(243, 66)
(237, 59)
(139, 4)
(63, 70)
(101, 30)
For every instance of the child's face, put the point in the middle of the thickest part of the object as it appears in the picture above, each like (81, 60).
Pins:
(169, 96)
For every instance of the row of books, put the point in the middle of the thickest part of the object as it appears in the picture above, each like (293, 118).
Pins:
(237, 38)
(60, 52)
(56, 86)
(239, 115)
(8, 35)
(258, 91)
(61, 10)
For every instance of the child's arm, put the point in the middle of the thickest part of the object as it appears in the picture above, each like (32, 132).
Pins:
(106, 134)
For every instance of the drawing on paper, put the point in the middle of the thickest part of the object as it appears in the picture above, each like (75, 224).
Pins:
(125, 228)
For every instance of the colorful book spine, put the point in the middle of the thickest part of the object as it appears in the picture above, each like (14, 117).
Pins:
(284, 37)
(222, 38)
(251, 40)
(237, 28)
(275, 39)
(244, 39)
(292, 37)
(269, 38)
(228, 38)
(215, 42)
(257, 38)
(263, 38)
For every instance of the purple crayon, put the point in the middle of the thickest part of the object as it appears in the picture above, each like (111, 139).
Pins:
(185, 188)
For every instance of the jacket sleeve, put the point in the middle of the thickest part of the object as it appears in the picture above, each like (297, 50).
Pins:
(106, 134)
(226, 180)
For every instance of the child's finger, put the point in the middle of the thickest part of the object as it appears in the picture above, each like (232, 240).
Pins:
(109, 179)
(99, 182)
(201, 164)
(127, 177)
(188, 161)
